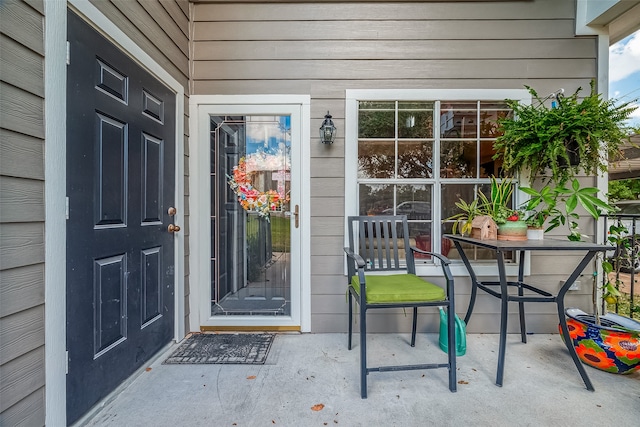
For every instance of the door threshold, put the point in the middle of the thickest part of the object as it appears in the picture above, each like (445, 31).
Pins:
(250, 328)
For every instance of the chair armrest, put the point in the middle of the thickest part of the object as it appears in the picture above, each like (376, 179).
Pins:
(354, 256)
(441, 257)
(445, 269)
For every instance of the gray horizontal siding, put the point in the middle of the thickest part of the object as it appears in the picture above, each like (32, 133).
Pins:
(323, 49)
(21, 67)
(22, 288)
(21, 155)
(428, 322)
(392, 49)
(20, 378)
(22, 307)
(23, 23)
(385, 30)
(29, 411)
(350, 11)
(332, 90)
(21, 200)
(581, 68)
(22, 333)
(21, 111)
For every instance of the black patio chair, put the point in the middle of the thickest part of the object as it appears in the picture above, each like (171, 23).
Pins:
(380, 244)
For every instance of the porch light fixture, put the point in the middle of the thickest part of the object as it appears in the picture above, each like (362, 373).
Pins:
(327, 130)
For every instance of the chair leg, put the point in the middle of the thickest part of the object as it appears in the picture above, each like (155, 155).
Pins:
(350, 319)
(414, 326)
(363, 351)
(451, 353)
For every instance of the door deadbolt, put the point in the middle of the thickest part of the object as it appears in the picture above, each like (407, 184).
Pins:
(171, 211)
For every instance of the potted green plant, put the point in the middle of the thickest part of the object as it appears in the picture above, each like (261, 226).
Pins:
(556, 206)
(497, 205)
(463, 220)
(553, 138)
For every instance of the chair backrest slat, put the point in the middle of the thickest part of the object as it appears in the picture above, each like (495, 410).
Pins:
(382, 241)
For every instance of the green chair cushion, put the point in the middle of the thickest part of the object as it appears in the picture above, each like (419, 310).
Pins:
(398, 288)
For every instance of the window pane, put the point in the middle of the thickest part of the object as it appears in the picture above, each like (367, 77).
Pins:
(415, 159)
(376, 119)
(451, 193)
(488, 166)
(415, 119)
(458, 120)
(376, 199)
(489, 115)
(376, 159)
(458, 159)
(414, 201)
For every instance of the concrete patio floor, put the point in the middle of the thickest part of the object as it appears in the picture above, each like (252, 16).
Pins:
(541, 388)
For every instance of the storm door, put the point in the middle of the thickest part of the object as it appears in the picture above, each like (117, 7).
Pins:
(120, 187)
(250, 170)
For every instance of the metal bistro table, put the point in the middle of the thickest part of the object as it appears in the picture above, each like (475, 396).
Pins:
(535, 294)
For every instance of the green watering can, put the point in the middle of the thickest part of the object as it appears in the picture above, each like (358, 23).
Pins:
(461, 334)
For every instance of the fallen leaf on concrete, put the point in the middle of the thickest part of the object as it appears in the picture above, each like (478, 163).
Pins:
(463, 382)
(251, 377)
(148, 369)
(318, 407)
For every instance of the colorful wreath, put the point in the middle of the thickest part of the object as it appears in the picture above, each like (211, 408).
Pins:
(249, 198)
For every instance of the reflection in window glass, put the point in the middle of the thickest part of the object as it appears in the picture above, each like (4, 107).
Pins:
(488, 166)
(376, 159)
(458, 159)
(458, 120)
(415, 119)
(490, 113)
(415, 159)
(376, 199)
(376, 119)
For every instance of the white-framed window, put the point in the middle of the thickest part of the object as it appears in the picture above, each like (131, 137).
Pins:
(417, 152)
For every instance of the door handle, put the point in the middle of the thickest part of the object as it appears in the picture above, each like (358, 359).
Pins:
(296, 214)
(173, 228)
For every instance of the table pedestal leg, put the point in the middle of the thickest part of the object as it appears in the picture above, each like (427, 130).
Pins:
(563, 318)
(504, 313)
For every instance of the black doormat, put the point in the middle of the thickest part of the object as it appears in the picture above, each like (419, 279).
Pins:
(239, 349)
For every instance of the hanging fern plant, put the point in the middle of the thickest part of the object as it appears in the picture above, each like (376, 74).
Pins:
(542, 140)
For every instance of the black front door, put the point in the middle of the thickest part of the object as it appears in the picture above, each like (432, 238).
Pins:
(120, 185)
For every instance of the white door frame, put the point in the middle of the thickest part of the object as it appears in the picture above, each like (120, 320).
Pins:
(55, 189)
(202, 107)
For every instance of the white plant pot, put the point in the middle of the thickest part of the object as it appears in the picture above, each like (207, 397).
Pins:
(535, 233)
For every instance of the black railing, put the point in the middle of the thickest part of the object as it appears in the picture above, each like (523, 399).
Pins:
(625, 260)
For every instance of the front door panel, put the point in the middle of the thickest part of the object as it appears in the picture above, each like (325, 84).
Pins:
(120, 184)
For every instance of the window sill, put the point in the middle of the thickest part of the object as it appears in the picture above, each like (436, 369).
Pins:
(459, 270)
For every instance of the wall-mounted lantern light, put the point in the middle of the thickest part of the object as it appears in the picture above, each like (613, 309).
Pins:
(327, 130)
